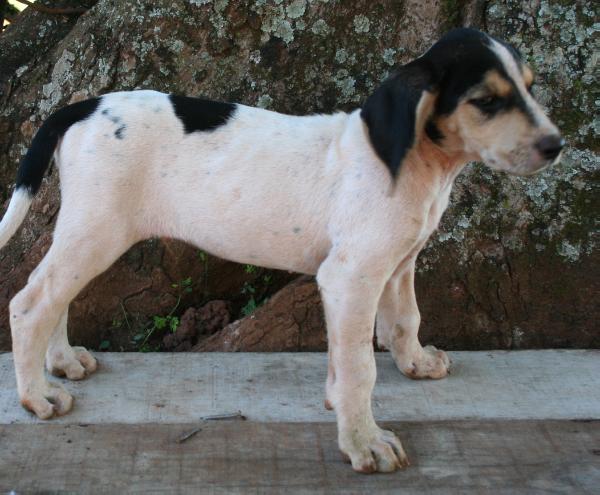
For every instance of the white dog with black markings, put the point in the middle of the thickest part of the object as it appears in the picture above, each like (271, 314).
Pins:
(350, 197)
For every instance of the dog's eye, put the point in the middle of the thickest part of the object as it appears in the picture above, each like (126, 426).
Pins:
(488, 104)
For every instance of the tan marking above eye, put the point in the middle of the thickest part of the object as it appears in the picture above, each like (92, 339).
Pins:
(497, 84)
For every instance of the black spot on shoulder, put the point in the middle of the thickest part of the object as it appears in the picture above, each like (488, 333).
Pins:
(198, 114)
(113, 118)
(120, 132)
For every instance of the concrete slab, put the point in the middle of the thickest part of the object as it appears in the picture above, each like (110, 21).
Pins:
(181, 388)
(468, 457)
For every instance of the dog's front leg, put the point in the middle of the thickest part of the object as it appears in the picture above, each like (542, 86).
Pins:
(398, 321)
(350, 298)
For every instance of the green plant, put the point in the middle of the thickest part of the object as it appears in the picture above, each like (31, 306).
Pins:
(163, 322)
(248, 288)
(249, 307)
(250, 268)
(170, 322)
(254, 301)
(185, 285)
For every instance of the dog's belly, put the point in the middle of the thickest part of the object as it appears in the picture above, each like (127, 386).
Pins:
(249, 220)
(265, 254)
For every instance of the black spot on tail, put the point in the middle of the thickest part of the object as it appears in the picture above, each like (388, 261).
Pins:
(35, 162)
(198, 114)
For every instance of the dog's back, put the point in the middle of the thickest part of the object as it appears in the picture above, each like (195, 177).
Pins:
(214, 187)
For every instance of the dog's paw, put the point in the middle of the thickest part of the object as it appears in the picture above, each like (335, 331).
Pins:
(75, 363)
(51, 400)
(377, 451)
(429, 362)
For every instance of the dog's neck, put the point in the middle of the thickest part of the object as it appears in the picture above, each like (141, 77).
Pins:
(430, 164)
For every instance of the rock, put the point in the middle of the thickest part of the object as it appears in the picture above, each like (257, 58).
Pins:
(213, 316)
(292, 320)
(207, 320)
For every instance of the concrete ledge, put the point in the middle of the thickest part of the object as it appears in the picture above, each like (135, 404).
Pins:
(181, 388)
(243, 457)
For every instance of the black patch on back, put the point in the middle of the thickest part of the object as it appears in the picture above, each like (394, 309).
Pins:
(198, 114)
(35, 162)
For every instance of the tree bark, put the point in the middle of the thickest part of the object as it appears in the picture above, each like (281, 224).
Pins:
(514, 263)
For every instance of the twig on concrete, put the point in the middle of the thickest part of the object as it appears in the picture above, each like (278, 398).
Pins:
(188, 435)
(54, 10)
(215, 417)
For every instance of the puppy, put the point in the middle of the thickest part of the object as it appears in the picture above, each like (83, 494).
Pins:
(350, 197)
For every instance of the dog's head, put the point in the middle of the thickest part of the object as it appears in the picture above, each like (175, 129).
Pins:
(470, 94)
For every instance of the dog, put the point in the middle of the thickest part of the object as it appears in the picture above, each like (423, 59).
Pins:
(349, 197)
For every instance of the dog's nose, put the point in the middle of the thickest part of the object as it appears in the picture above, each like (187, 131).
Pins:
(550, 146)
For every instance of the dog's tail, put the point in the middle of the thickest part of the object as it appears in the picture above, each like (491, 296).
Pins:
(35, 163)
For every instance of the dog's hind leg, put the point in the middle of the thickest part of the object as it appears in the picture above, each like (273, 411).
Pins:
(398, 321)
(81, 250)
(62, 359)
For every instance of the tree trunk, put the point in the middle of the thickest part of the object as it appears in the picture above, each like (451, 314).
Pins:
(512, 265)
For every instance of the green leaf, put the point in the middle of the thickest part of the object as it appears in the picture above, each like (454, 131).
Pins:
(160, 322)
(173, 323)
(248, 289)
(105, 344)
(250, 307)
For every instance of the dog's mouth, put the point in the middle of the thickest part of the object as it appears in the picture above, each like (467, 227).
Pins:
(520, 163)
(536, 164)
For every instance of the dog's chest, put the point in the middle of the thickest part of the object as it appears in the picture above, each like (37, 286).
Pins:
(437, 209)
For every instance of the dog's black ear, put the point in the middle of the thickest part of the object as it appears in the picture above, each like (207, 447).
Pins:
(396, 113)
